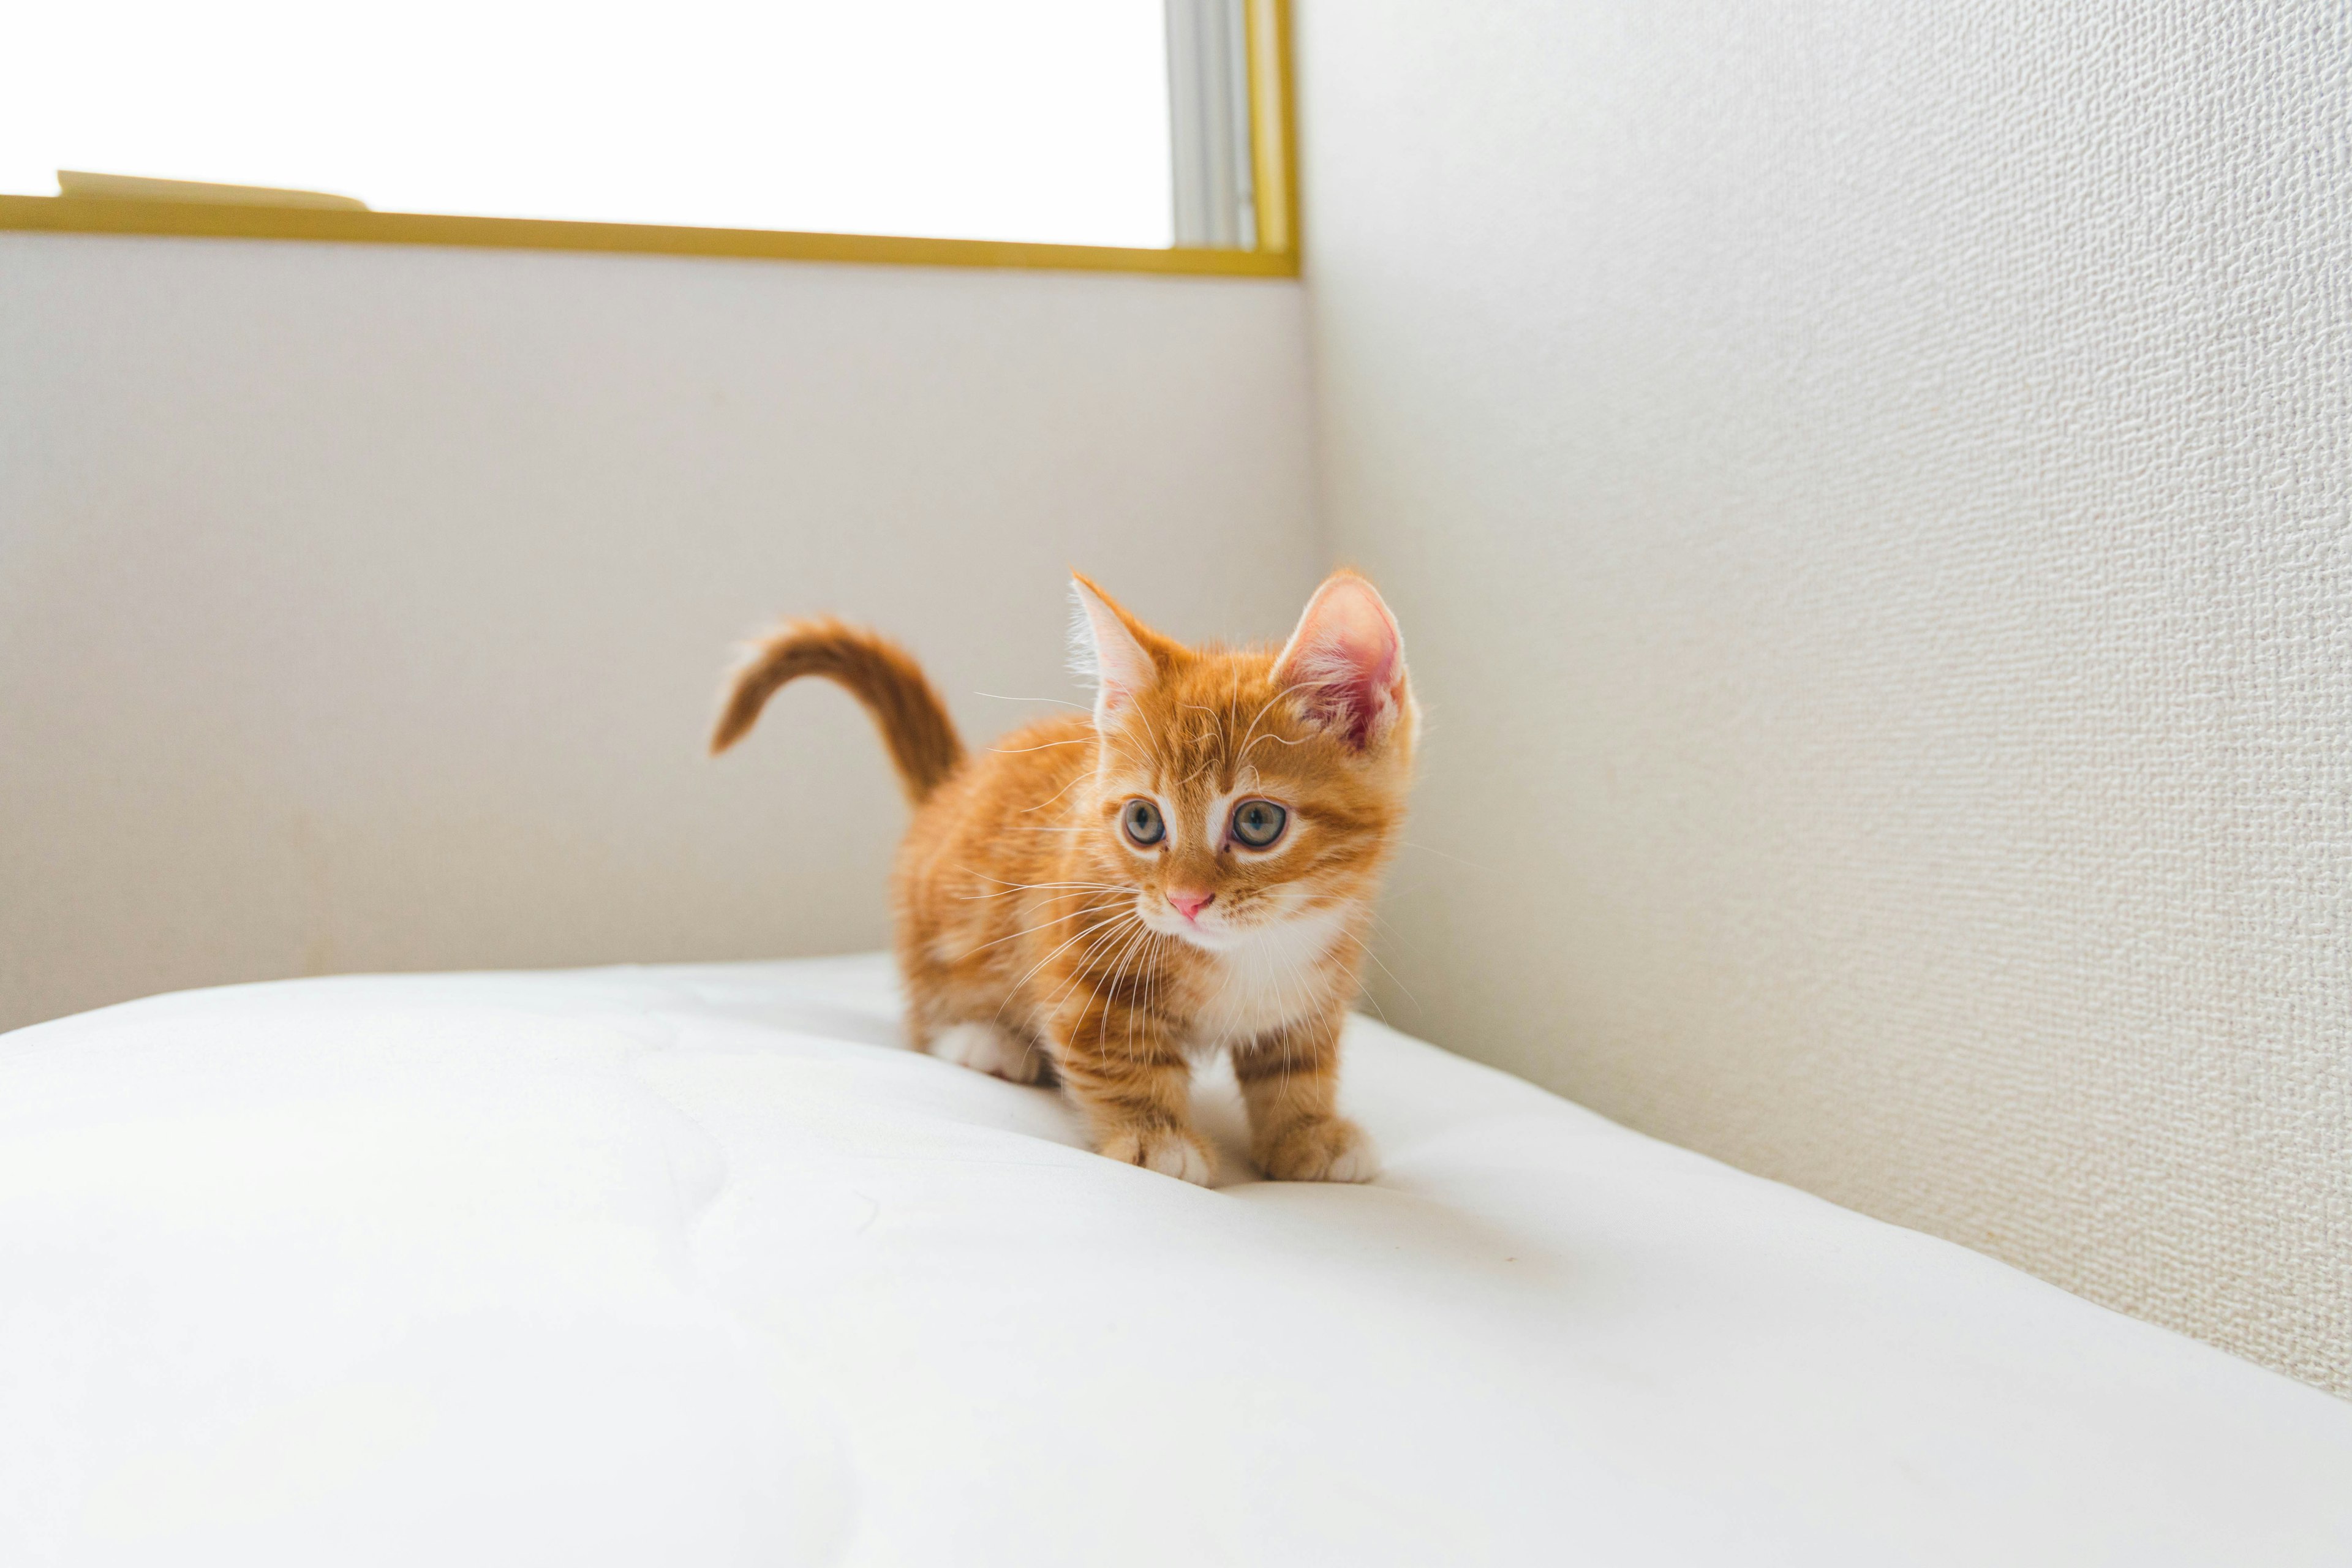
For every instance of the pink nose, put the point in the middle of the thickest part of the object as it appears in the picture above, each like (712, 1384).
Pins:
(1190, 905)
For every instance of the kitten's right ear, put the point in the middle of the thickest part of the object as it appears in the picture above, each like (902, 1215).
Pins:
(1107, 645)
(1347, 660)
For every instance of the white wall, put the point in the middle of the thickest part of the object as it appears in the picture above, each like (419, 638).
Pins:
(364, 608)
(1865, 486)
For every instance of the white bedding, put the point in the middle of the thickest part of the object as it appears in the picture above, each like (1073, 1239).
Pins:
(691, 1266)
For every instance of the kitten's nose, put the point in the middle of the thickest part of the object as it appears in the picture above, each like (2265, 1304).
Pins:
(1190, 905)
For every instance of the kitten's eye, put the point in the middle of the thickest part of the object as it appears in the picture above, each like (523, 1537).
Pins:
(1142, 820)
(1258, 823)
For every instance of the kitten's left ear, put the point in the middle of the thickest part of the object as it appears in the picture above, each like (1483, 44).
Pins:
(1347, 659)
(1112, 646)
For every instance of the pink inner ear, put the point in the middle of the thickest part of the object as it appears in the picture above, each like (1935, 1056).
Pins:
(1348, 652)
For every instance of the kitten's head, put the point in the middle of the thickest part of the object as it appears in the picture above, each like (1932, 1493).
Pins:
(1242, 791)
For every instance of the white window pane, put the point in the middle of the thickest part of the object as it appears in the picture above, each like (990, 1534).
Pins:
(1039, 120)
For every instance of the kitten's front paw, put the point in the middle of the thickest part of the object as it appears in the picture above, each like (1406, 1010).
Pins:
(1167, 1150)
(1325, 1148)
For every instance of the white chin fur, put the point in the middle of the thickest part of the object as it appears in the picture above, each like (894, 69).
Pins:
(1268, 975)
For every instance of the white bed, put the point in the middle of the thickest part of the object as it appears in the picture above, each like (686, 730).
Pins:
(688, 1266)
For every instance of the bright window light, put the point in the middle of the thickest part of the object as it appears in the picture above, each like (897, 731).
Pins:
(1022, 119)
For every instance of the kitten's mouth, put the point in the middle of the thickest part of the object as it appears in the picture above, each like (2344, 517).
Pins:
(1208, 931)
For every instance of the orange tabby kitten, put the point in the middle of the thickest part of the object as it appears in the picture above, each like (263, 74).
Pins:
(1190, 869)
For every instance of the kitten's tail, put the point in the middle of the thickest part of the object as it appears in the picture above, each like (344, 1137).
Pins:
(878, 672)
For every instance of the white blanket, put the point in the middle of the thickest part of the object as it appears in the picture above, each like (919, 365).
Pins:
(696, 1266)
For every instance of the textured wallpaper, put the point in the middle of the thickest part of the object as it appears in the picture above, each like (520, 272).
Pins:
(1865, 486)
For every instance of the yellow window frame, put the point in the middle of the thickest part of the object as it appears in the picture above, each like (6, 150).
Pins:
(1273, 157)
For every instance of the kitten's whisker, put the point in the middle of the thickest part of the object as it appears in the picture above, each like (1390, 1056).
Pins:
(1443, 855)
(1129, 758)
(1078, 969)
(1394, 929)
(1268, 705)
(1079, 972)
(1262, 740)
(1364, 950)
(1059, 702)
(1392, 976)
(1134, 945)
(1014, 989)
(1012, 888)
(1140, 1002)
(1041, 746)
(1155, 977)
(1009, 882)
(1079, 913)
(1094, 995)
(1109, 927)
(1055, 796)
(1290, 1030)
(1004, 882)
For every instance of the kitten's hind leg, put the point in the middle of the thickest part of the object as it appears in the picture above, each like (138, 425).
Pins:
(991, 1049)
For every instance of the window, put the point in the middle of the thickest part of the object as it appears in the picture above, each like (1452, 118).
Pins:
(1154, 128)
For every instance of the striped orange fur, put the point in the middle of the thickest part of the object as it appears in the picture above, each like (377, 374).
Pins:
(1044, 931)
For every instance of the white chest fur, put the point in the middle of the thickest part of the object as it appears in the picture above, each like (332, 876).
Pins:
(1277, 976)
